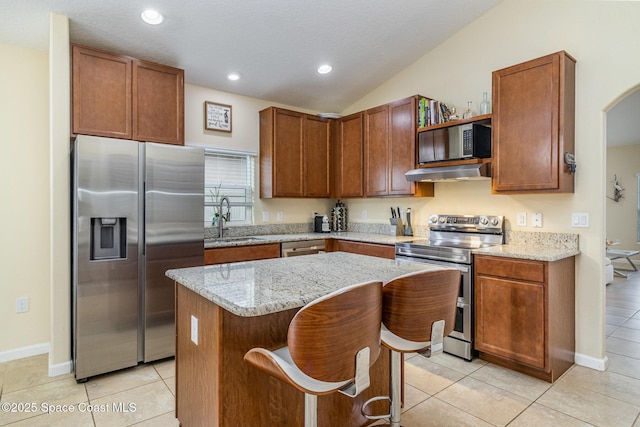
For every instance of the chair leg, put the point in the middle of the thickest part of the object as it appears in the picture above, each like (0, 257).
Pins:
(310, 410)
(396, 387)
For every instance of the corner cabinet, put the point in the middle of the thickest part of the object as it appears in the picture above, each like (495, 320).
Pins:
(525, 314)
(534, 125)
(294, 154)
(121, 97)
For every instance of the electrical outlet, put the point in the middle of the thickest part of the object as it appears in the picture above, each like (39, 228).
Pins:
(22, 304)
(279, 216)
(194, 329)
(536, 219)
(364, 214)
(521, 220)
(265, 216)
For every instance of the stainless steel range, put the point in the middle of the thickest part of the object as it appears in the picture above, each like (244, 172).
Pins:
(451, 240)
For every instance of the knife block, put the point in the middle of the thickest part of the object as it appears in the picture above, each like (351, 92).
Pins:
(397, 227)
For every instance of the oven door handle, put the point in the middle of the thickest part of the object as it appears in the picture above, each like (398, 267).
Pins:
(408, 256)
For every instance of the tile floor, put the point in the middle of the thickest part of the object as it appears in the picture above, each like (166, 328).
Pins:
(440, 391)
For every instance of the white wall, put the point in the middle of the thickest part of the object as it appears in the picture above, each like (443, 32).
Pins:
(602, 36)
(622, 216)
(24, 184)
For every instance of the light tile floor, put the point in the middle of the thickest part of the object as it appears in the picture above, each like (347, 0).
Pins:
(440, 391)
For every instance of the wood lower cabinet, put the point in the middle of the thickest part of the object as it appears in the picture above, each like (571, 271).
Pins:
(534, 125)
(294, 154)
(241, 253)
(118, 96)
(525, 314)
(362, 248)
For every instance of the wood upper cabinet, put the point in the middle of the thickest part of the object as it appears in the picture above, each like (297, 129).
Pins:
(294, 154)
(121, 97)
(376, 151)
(317, 145)
(390, 150)
(534, 125)
(524, 314)
(158, 103)
(101, 93)
(348, 159)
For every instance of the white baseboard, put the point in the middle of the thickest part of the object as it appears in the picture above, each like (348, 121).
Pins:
(22, 352)
(36, 350)
(592, 362)
(61, 369)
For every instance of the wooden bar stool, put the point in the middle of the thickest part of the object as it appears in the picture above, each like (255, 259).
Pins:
(418, 311)
(331, 344)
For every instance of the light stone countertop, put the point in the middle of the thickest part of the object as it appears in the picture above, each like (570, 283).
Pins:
(279, 238)
(256, 288)
(532, 252)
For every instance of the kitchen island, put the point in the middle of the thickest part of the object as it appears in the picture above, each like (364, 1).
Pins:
(250, 304)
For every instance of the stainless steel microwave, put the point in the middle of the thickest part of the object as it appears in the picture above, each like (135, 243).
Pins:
(463, 141)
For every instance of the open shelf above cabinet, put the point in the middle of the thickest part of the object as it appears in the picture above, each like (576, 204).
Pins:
(455, 123)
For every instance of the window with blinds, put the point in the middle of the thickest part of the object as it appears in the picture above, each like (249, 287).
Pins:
(230, 175)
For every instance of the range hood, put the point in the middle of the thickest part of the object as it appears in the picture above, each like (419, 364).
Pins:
(450, 173)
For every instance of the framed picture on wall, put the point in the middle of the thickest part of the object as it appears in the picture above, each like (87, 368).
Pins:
(217, 116)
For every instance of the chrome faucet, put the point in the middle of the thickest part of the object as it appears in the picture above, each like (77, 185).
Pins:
(221, 218)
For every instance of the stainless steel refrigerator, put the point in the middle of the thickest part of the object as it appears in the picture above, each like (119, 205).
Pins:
(138, 210)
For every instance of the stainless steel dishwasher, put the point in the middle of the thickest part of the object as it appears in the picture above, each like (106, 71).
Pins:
(302, 247)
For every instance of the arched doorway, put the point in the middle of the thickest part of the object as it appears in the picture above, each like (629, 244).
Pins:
(622, 231)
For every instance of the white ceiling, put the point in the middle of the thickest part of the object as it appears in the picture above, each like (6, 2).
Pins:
(276, 45)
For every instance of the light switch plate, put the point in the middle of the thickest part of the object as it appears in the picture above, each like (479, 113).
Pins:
(279, 216)
(194, 329)
(265, 216)
(521, 220)
(580, 219)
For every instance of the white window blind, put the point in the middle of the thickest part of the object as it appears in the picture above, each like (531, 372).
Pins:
(230, 175)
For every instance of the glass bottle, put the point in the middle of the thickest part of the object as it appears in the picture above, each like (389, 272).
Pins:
(485, 105)
(469, 112)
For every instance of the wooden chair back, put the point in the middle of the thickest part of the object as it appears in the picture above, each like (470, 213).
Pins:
(325, 335)
(413, 302)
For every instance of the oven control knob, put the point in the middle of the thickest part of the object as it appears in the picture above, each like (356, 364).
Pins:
(433, 219)
(443, 219)
(484, 220)
(494, 221)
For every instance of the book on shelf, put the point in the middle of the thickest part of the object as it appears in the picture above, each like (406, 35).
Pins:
(432, 112)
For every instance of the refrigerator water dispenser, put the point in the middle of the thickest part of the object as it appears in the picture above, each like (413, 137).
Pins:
(108, 238)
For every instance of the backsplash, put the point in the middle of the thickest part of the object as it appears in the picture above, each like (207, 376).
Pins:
(270, 229)
(538, 238)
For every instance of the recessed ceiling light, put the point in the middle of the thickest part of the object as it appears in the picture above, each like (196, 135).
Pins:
(233, 76)
(324, 69)
(152, 17)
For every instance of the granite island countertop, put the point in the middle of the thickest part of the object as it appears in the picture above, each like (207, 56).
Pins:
(383, 239)
(256, 288)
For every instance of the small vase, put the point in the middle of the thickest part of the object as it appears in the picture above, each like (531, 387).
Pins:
(485, 105)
